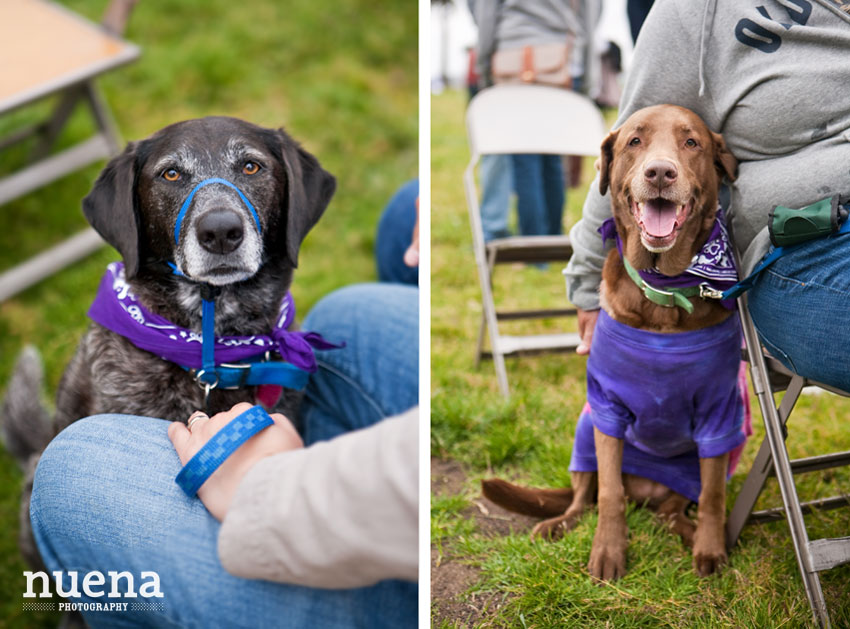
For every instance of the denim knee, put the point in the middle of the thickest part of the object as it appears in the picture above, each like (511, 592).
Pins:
(360, 313)
(376, 374)
(99, 465)
(799, 303)
(54, 491)
(394, 235)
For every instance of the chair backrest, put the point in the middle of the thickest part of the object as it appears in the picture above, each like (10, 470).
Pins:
(526, 119)
(533, 119)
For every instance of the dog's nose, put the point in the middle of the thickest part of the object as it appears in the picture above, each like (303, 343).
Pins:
(220, 231)
(660, 173)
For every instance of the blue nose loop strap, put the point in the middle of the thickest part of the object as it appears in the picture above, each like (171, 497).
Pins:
(206, 182)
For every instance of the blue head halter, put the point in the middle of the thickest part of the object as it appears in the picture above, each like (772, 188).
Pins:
(214, 375)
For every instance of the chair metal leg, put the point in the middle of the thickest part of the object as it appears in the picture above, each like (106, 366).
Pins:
(501, 373)
(489, 308)
(762, 466)
(479, 354)
(779, 454)
(479, 347)
(493, 327)
(749, 494)
(485, 272)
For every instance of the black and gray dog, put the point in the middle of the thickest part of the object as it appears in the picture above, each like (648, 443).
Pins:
(134, 205)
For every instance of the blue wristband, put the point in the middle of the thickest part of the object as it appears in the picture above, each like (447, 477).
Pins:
(224, 443)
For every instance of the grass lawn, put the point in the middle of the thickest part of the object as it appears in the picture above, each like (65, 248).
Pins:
(485, 571)
(341, 77)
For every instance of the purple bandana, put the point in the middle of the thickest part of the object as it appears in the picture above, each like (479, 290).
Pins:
(714, 264)
(116, 308)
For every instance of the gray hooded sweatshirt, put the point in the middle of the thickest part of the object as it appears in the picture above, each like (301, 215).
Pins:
(773, 77)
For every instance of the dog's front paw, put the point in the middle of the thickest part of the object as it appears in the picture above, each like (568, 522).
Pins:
(709, 550)
(607, 559)
(709, 561)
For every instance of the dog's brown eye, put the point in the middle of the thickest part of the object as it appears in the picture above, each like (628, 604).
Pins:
(634, 142)
(171, 175)
(250, 168)
(691, 143)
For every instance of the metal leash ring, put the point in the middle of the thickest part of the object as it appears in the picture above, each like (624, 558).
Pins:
(206, 386)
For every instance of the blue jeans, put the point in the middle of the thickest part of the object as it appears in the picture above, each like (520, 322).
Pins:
(496, 186)
(539, 182)
(105, 498)
(800, 307)
(395, 232)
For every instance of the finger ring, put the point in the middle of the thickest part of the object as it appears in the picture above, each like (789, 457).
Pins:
(194, 418)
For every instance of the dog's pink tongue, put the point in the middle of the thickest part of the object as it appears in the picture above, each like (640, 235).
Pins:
(659, 217)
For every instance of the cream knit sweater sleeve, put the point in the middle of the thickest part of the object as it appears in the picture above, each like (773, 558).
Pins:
(339, 514)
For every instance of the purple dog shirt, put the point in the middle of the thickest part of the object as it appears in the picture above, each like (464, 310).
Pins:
(672, 398)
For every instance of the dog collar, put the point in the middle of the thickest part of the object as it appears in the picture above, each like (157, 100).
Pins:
(669, 297)
(712, 271)
(214, 362)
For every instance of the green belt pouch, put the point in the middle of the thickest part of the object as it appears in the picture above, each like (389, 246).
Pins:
(788, 226)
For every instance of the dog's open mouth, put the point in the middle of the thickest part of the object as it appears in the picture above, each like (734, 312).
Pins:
(659, 220)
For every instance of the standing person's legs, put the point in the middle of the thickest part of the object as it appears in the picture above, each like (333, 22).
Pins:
(554, 192)
(105, 499)
(496, 186)
(799, 306)
(531, 202)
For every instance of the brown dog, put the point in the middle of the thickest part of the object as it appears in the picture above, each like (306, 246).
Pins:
(664, 167)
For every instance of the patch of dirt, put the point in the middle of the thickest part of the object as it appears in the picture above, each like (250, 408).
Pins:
(450, 582)
(449, 478)
(451, 578)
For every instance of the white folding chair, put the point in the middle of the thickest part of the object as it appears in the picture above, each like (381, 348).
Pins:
(524, 119)
(813, 556)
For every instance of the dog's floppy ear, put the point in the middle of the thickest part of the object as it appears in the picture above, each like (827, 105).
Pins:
(723, 158)
(110, 207)
(309, 190)
(605, 158)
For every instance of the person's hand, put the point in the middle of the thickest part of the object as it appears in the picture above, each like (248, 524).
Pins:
(586, 325)
(411, 256)
(217, 493)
